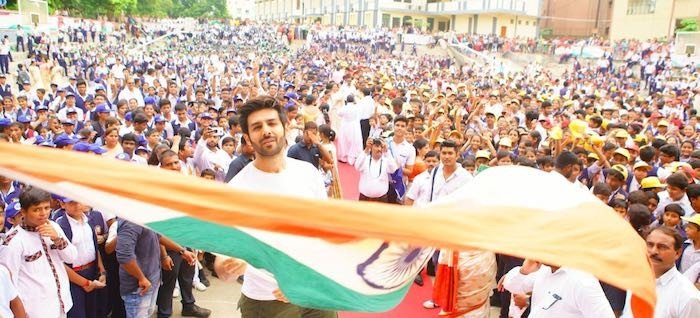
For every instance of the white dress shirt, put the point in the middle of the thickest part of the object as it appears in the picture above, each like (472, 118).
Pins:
(374, 174)
(419, 191)
(40, 277)
(566, 293)
(676, 297)
(83, 241)
(439, 186)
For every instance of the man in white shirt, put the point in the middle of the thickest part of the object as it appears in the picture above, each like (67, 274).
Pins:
(271, 172)
(375, 166)
(558, 292)
(131, 91)
(449, 176)
(418, 193)
(34, 253)
(208, 155)
(405, 155)
(676, 296)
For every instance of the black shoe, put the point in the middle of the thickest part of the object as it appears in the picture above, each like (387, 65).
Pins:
(195, 311)
(203, 278)
(419, 280)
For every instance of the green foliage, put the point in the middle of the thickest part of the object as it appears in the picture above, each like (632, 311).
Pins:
(213, 9)
(688, 25)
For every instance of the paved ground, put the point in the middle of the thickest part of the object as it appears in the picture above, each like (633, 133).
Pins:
(221, 298)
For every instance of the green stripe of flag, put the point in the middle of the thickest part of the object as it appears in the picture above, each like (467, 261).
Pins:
(301, 284)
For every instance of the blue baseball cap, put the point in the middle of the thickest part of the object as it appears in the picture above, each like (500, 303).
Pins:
(160, 119)
(63, 140)
(67, 122)
(95, 148)
(141, 148)
(81, 147)
(206, 115)
(69, 94)
(5, 122)
(129, 116)
(141, 140)
(149, 100)
(12, 209)
(99, 87)
(102, 108)
(41, 107)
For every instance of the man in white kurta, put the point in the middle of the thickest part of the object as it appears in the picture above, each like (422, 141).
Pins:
(36, 265)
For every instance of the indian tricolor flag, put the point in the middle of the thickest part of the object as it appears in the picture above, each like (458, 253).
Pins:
(354, 256)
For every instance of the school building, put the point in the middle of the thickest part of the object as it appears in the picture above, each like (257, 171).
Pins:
(650, 19)
(502, 17)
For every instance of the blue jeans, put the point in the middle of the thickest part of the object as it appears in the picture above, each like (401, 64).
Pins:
(137, 306)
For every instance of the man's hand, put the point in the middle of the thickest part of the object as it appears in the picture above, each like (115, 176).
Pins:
(280, 296)
(529, 267)
(144, 286)
(521, 300)
(89, 287)
(188, 257)
(229, 268)
(47, 230)
(167, 263)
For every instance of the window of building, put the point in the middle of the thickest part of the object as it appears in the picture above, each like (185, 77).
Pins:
(520, 22)
(641, 7)
(386, 20)
(511, 21)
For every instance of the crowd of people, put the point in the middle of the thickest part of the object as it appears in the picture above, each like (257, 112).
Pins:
(238, 104)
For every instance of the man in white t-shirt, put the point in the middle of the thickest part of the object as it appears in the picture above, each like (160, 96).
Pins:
(275, 173)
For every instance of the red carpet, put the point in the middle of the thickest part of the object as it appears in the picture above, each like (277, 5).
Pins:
(412, 305)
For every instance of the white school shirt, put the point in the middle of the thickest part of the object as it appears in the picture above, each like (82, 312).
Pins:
(419, 191)
(298, 178)
(566, 293)
(8, 292)
(676, 297)
(40, 279)
(374, 174)
(82, 240)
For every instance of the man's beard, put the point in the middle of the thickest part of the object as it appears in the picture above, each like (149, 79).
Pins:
(269, 152)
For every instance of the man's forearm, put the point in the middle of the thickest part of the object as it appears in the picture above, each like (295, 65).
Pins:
(132, 267)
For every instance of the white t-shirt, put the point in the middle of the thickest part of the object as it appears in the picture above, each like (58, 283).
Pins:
(300, 178)
(8, 292)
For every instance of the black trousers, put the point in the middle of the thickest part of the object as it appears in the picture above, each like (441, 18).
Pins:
(84, 304)
(182, 273)
(364, 127)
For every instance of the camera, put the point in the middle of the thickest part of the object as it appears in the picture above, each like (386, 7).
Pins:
(218, 131)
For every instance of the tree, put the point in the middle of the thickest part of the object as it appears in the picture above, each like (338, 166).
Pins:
(688, 25)
(213, 9)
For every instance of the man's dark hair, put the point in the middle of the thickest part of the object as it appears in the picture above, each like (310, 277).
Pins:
(33, 196)
(432, 154)
(638, 197)
(678, 180)
(402, 119)
(658, 143)
(639, 217)
(234, 121)
(671, 151)
(693, 191)
(566, 158)
(180, 107)
(647, 153)
(601, 188)
(130, 137)
(140, 118)
(166, 154)
(310, 125)
(256, 104)
(677, 238)
(449, 144)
